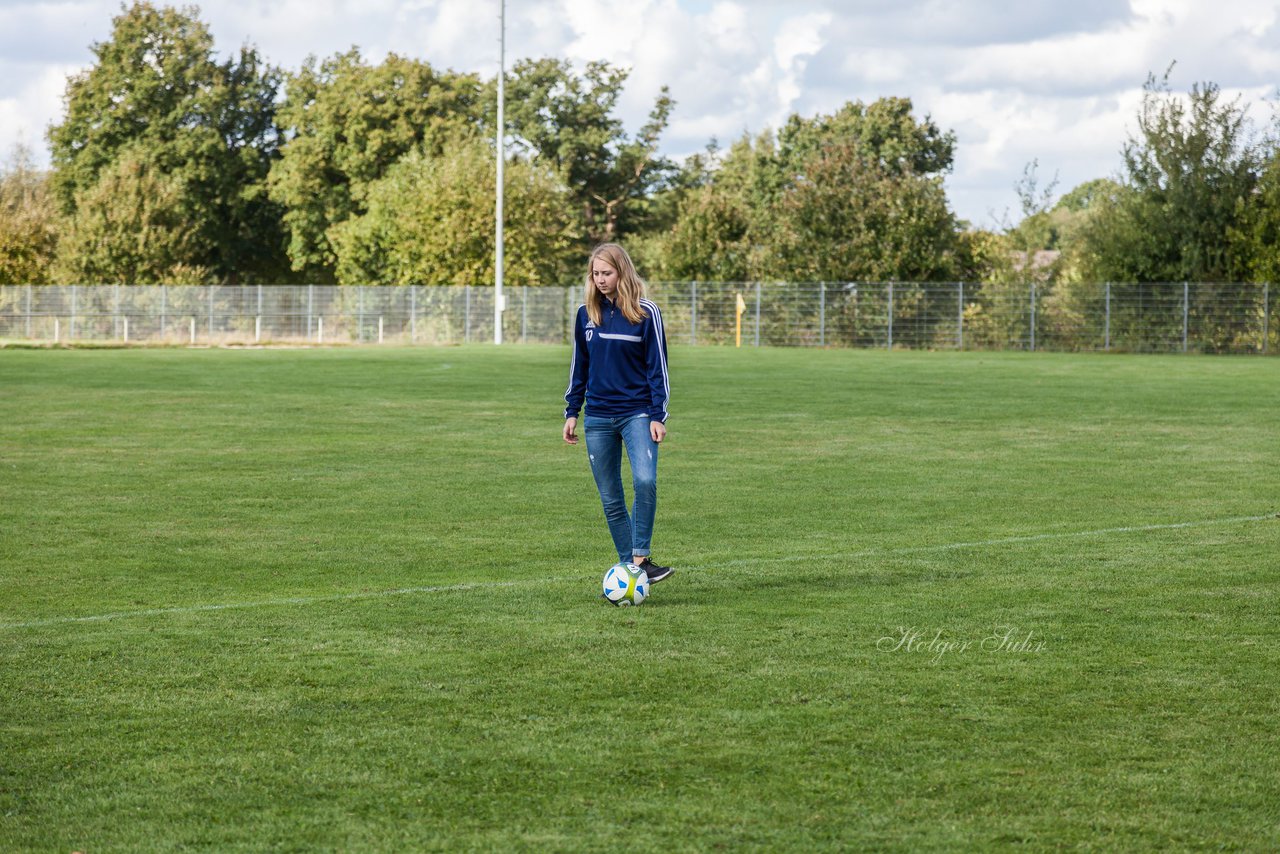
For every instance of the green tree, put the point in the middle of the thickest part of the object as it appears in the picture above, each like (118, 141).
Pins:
(1027, 251)
(28, 222)
(1088, 196)
(709, 240)
(854, 195)
(1259, 234)
(156, 95)
(884, 134)
(131, 228)
(566, 120)
(1185, 212)
(347, 123)
(849, 218)
(723, 226)
(649, 246)
(1189, 177)
(430, 220)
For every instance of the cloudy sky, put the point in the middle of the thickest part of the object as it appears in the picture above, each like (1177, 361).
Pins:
(1057, 81)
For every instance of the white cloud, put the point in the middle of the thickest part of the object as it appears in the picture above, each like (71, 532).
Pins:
(25, 115)
(52, 32)
(798, 40)
(728, 29)
(1074, 139)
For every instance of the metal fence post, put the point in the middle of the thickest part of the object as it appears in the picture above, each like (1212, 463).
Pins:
(466, 326)
(822, 314)
(855, 323)
(115, 311)
(1186, 288)
(693, 314)
(413, 314)
(1106, 341)
(74, 295)
(1033, 317)
(28, 311)
(890, 345)
(524, 314)
(164, 308)
(310, 307)
(1266, 314)
(210, 289)
(960, 319)
(757, 314)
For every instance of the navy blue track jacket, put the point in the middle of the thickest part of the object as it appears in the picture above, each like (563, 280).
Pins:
(619, 367)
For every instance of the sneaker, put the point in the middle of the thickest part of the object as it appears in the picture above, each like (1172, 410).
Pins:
(656, 573)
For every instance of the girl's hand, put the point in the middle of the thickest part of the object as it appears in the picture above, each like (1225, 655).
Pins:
(570, 428)
(657, 431)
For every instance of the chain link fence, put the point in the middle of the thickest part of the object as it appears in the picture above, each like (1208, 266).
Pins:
(282, 314)
(1147, 318)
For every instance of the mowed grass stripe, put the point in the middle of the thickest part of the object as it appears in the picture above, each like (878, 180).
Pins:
(732, 564)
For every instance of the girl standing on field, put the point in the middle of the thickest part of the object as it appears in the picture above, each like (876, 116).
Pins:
(619, 366)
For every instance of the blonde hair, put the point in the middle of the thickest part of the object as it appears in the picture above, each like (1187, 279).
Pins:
(630, 285)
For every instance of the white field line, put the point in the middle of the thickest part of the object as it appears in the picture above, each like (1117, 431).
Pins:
(490, 585)
(1026, 538)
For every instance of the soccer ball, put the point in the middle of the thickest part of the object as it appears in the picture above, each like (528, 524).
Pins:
(626, 584)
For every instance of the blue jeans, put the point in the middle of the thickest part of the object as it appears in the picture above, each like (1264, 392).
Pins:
(631, 532)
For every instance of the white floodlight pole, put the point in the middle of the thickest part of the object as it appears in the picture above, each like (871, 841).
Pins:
(498, 298)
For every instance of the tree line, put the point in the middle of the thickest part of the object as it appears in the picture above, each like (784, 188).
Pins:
(172, 165)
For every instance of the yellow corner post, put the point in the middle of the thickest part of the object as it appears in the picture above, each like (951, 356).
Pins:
(737, 330)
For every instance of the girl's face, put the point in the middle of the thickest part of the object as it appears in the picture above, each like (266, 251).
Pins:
(604, 277)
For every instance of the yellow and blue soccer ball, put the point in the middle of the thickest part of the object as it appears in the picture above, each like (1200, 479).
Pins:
(626, 584)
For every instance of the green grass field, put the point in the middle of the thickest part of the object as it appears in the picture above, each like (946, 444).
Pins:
(348, 600)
